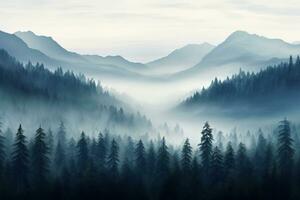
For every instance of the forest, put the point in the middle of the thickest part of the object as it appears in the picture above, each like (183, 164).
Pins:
(253, 89)
(53, 165)
(38, 94)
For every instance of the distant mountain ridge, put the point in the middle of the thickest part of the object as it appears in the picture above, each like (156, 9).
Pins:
(51, 48)
(181, 59)
(248, 49)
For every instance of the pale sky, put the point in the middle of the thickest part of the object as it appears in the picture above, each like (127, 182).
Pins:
(142, 30)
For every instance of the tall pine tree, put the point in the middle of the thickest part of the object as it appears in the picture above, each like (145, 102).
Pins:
(206, 147)
(186, 157)
(40, 160)
(20, 160)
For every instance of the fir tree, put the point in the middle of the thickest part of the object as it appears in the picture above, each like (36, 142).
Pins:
(2, 150)
(285, 150)
(101, 151)
(140, 157)
(151, 159)
(216, 168)
(82, 156)
(113, 159)
(163, 159)
(20, 159)
(229, 161)
(206, 146)
(40, 160)
(186, 157)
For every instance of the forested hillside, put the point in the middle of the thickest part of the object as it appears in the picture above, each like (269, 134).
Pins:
(32, 93)
(271, 87)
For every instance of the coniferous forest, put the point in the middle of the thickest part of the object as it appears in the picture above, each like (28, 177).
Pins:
(51, 165)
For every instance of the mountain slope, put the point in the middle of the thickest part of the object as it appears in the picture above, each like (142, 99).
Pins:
(19, 49)
(181, 59)
(271, 90)
(248, 49)
(51, 48)
(48, 46)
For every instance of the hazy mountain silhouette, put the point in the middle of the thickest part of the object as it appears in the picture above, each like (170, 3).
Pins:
(180, 59)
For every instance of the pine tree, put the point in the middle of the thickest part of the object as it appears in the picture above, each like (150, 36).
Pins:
(216, 169)
(259, 155)
(40, 160)
(206, 147)
(83, 153)
(151, 159)
(186, 157)
(243, 164)
(113, 159)
(50, 141)
(61, 135)
(59, 158)
(101, 151)
(2, 151)
(163, 160)
(229, 161)
(285, 150)
(140, 157)
(20, 159)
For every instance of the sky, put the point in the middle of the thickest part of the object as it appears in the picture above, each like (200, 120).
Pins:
(143, 30)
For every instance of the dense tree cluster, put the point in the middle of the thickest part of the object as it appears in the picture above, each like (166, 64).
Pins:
(253, 88)
(28, 88)
(233, 166)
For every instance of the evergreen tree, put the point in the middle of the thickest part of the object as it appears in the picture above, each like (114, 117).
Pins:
(285, 150)
(61, 135)
(101, 151)
(229, 161)
(140, 157)
(216, 168)
(243, 164)
(151, 159)
(113, 159)
(83, 153)
(40, 160)
(50, 142)
(260, 153)
(2, 151)
(59, 158)
(163, 160)
(186, 157)
(206, 147)
(20, 159)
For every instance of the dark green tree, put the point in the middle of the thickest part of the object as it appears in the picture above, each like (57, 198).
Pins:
(229, 161)
(163, 160)
(151, 159)
(217, 167)
(2, 151)
(140, 157)
(186, 157)
(101, 151)
(285, 151)
(113, 159)
(83, 153)
(206, 147)
(40, 159)
(20, 160)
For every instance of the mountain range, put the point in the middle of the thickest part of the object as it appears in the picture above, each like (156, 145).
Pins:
(238, 50)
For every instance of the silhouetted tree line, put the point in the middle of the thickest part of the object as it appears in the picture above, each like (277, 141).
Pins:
(282, 79)
(53, 166)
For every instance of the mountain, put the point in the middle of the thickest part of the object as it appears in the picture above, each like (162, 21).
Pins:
(180, 59)
(51, 48)
(20, 50)
(271, 90)
(48, 46)
(248, 49)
